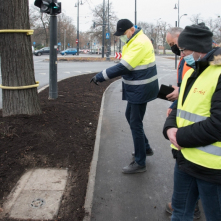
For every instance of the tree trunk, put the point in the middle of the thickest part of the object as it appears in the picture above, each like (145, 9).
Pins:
(17, 60)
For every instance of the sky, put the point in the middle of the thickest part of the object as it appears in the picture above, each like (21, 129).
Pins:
(147, 10)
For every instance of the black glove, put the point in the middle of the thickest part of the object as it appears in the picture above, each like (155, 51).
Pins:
(94, 79)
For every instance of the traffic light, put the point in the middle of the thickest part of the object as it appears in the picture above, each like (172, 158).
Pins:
(55, 8)
(48, 6)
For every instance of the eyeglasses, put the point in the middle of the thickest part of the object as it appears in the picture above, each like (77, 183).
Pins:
(182, 50)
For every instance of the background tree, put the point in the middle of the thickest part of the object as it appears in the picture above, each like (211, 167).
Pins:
(66, 30)
(40, 22)
(96, 34)
(16, 60)
(163, 26)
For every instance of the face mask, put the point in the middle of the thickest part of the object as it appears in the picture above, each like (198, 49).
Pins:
(175, 50)
(124, 38)
(189, 59)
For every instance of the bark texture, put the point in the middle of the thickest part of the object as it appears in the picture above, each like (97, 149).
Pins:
(17, 60)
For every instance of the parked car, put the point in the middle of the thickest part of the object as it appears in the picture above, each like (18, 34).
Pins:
(69, 51)
(45, 50)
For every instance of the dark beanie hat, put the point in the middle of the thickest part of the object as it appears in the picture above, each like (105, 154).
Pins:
(196, 38)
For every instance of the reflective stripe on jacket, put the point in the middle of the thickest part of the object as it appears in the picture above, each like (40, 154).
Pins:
(195, 109)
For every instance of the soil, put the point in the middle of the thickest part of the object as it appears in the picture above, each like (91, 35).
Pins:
(63, 136)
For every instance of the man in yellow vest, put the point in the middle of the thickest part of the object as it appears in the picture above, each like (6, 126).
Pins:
(140, 85)
(194, 128)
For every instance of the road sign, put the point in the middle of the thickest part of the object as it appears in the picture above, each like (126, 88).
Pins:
(107, 35)
(118, 55)
(76, 41)
(59, 43)
(34, 43)
(68, 44)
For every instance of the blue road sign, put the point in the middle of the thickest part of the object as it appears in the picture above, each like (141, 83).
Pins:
(34, 43)
(107, 35)
(59, 43)
(68, 44)
(135, 26)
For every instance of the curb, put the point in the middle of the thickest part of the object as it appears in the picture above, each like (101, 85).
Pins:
(93, 168)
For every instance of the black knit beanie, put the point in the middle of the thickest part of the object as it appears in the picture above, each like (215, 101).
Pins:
(196, 38)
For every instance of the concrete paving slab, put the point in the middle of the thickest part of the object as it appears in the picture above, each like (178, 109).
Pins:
(37, 194)
(40, 204)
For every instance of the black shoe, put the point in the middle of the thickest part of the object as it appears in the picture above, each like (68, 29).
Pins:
(134, 168)
(149, 152)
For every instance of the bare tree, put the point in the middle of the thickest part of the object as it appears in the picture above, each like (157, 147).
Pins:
(17, 61)
(41, 23)
(98, 19)
(163, 26)
(195, 19)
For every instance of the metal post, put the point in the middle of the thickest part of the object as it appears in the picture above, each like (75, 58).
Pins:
(53, 90)
(119, 45)
(103, 29)
(78, 29)
(64, 39)
(114, 45)
(175, 54)
(178, 14)
(135, 12)
(108, 41)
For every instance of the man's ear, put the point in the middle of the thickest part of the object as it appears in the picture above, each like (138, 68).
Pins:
(132, 29)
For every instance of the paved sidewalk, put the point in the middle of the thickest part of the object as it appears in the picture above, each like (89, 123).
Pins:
(114, 196)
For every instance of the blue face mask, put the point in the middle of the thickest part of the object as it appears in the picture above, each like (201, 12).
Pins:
(124, 38)
(189, 59)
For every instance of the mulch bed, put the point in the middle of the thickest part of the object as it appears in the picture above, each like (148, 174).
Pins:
(62, 136)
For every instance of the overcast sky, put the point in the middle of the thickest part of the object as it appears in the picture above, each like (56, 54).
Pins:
(147, 10)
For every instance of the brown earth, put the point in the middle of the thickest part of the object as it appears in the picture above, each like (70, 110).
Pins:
(62, 136)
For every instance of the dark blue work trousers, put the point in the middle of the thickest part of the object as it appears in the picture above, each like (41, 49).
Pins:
(135, 114)
(186, 192)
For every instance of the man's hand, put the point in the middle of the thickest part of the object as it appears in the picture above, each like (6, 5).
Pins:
(94, 79)
(174, 95)
(171, 133)
(169, 111)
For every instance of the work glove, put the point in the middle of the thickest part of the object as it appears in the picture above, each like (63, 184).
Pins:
(94, 79)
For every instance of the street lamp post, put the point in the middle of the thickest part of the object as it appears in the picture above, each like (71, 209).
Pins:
(135, 12)
(177, 6)
(182, 16)
(77, 5)
(103, 30)
(108, 42)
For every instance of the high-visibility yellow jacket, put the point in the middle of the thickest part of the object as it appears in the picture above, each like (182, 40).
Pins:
(138, 69)
(196, 108)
